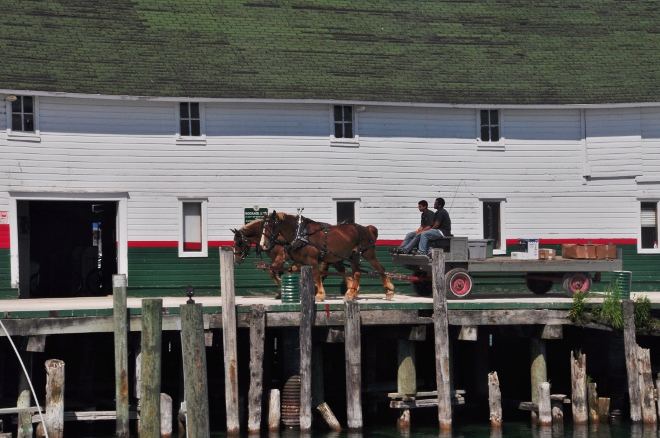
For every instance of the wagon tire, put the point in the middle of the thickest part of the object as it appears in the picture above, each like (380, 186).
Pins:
(576, 282)
(458, 283)
(424, 287)
(539, 287)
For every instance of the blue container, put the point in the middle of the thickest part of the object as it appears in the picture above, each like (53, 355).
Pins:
(624, 278)
(290, 288)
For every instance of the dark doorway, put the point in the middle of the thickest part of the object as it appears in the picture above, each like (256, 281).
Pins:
(72, 248)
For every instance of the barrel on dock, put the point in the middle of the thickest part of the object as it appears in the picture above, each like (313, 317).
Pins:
(291, 288)
(624, 281)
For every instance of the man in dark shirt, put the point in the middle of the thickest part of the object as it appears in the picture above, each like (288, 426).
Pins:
(412, 239)
(441, 226)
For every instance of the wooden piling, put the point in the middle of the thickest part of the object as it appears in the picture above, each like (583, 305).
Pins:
(630, 346)
(647, 397)
(25, 429)
(307, 313)
(579, 388)
(152, 336)
(603, 409)
(329, 416)
(538, 369)
(229, 337)
(406, 377)
(194, 370)
(441, 328)
(353, 350)
(255, 393)
(165, 416)
(592, 396)
(545, 407)
(494, 400)
(557, 404)
(120, 315)
(54, 416)
(274, 412)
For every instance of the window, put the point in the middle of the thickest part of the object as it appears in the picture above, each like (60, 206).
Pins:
(344, 121)
(346, 211)
(649, 226)
(192, 236)
(191, 125)
(22, 114)
(493, 224)
(490, 125)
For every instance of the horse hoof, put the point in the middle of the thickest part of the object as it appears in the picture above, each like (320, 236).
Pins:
(278, 296)
(389, 296)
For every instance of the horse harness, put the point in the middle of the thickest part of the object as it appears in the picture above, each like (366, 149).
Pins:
(302, 239)
(246, 245)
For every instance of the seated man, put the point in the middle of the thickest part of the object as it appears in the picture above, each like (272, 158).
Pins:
(412, 239)
(441, 227)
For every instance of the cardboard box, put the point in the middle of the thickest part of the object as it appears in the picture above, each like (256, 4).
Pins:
(606, 251)
(518, 255)
(547, 254)
(575, 251)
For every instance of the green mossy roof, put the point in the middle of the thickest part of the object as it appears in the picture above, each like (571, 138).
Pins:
(435, 51)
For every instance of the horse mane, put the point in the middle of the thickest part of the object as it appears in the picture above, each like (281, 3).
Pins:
(251, 224)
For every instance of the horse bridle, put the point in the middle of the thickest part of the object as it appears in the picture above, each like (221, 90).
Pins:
(245, 247)
(276, 232)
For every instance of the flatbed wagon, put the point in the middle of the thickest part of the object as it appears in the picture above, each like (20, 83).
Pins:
(575, 275)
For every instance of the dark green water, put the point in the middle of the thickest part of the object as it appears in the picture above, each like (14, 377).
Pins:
(483, 430)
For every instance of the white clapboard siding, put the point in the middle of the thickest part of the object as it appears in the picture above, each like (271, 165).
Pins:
(614, 144)
(280, 156)
(651, 144)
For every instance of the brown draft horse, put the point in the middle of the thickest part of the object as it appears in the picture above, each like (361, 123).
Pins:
(314, 242)
(250, 234)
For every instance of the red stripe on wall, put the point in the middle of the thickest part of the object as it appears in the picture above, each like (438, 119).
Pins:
(192, 246)
(153, 244)
(219, 243)
(4, 236)
(602, 240)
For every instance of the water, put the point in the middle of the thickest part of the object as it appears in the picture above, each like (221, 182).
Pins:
(518, 429)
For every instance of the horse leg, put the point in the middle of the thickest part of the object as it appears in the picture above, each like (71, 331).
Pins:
(352, 292)
(320, 292)
(324, 268)
(370, 255)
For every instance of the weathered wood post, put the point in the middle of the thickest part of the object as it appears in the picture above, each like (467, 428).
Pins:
(120, 314)
(441, 325)
(229, 337)
(406, 378)
(257, 344)
(307, 308)
(494, 400)
(194, 370)
(274, 412)
(545, 407)
(165, 416)
(649, 414)
(630, 346)
(538, 369)
(557, 404)
(579, 387)
(25, 429)
(592, 395)
(152, 336)
(603, 409)
(353, 349)
(54, 416)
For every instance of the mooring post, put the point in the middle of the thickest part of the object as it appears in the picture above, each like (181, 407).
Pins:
(494, 400)
(353, 351)
(441, 324)
(630, 347)
(592, 396)
(307, 309)
(406, 378)
(120, 314)
(274, 412)
(647, 398)
(579, 387)
(151, 340)
(165, 416)
(25, 429)
(229, 337)
(54, 416)
(603, 409)
(257, 343)
(538, 369)
(545, 409)
(194, 370)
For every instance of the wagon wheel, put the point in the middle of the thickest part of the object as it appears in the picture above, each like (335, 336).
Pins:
(576, 282)
(458, 282)
(539, 287)
(423, 287)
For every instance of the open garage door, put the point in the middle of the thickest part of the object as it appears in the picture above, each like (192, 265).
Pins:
(67, 248)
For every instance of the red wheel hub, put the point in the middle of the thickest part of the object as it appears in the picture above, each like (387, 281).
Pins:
(579, 283)
(460, 284)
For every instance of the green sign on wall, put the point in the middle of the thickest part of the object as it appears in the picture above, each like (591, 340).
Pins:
(253, 213)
